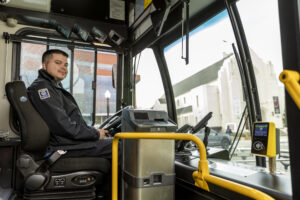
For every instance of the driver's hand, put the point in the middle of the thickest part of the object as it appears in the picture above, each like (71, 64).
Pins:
(103, 133)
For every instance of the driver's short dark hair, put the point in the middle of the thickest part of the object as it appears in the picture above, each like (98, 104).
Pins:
(48, 54)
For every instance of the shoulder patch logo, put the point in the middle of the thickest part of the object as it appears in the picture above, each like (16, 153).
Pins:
(44, 93)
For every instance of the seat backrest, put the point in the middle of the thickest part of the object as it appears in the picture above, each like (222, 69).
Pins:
(34, 131)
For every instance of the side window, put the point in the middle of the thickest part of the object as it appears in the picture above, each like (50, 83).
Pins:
(83, 76)
(31, 61)
(106, 94)
(149, 93)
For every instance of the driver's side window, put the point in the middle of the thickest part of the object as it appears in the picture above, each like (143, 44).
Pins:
(83, 68)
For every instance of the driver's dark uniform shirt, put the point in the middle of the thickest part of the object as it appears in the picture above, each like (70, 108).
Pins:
(60, 111)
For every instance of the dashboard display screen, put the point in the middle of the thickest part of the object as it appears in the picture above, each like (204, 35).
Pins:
(141, 115)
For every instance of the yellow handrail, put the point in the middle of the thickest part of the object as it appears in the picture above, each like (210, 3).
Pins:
(200, 176)
(241, 189)
(291, 81)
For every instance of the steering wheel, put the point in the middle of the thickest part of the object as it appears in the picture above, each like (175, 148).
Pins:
(180, 144)
(113, 123)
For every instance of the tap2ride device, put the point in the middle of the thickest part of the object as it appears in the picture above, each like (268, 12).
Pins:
(264, 139)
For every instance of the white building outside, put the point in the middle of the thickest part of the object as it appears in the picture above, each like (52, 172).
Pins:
(224, 97)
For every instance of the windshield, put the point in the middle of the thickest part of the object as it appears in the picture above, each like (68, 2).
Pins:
(211, 82)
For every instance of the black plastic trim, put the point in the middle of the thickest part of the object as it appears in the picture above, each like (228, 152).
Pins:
(169, 94)
(247, 66)
(290, 41)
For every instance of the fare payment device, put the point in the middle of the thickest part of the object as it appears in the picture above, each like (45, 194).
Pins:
(264, 139)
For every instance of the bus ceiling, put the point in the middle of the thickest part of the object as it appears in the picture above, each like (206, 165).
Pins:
(126, 24)
(153, 26)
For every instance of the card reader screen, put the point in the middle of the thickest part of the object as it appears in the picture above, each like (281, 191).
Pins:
(261, 130)
(141, 115)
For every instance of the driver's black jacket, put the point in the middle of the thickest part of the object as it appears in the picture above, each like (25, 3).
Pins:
(60, 111)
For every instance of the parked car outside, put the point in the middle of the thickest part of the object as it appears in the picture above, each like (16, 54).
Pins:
(215, 139)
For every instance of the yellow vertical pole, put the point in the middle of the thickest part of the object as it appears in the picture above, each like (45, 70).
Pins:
(115, 168)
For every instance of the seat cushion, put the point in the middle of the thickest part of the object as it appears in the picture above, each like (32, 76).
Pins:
(64, 165)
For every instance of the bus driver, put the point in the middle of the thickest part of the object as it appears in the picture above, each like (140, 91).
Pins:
(60, 111)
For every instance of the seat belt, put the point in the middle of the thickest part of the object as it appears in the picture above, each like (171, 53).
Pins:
(50, 160)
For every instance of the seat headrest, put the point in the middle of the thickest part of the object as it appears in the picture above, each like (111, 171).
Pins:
(34, 131)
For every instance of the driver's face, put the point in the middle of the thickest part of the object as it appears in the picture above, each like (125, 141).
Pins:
(56, 66)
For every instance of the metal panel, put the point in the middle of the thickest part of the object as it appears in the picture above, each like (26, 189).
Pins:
(148, 164)
(144, 156)
(142, 159)
(164, 193)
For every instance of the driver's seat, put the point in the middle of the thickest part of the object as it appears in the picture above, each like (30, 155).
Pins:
(50, 177)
